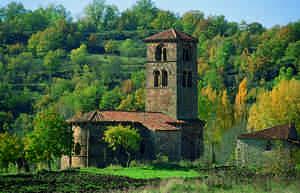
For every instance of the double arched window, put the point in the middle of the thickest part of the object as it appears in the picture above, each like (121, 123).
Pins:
(160, 53)
(157, 78)
(187, 79)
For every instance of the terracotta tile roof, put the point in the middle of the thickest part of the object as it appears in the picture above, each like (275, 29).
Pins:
(153, 121)
(281, 132)
(170, 35)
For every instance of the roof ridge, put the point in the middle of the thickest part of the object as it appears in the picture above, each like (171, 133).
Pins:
(174, 32)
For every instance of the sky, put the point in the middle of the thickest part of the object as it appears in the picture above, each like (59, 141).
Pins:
(267, 12)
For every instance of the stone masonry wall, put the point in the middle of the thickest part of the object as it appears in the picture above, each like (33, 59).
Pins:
(187, 97)
(253, 153)
(168, 143)
(162, 99)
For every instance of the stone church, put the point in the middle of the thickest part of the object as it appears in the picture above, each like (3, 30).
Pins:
(169, 126)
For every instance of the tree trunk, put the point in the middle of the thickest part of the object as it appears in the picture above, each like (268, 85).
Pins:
(128, 159)
(70, 161)
(213, 153)
(49, 165)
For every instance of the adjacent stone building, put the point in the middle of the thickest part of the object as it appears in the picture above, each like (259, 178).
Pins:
(256, 149)
(169, 126)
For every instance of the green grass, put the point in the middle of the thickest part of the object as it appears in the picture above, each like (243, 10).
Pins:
(146, 172)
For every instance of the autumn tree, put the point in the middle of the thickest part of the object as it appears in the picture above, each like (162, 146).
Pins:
(279, 106)
(240, 108)
(133, 102)
(123, 139)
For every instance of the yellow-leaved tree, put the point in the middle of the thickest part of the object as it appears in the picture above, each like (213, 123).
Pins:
(240, 102)
(281, 105)
(216, 109)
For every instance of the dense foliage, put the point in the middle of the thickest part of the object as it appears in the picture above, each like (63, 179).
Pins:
(123, 139)
(49, 60)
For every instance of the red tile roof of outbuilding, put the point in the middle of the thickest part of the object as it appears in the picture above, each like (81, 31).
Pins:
(170, 35)
(280, 132)
(153, 121)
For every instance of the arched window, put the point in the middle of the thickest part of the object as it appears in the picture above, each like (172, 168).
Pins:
(156, 75)
(190, 80)
(183, 81)
(164, 78)
(77, 148)
(158, 52)
(165, 54)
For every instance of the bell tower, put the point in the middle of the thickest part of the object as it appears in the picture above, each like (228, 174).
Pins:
(171, 75)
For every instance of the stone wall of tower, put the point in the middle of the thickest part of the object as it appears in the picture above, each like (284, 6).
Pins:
(176, 101)
(162, 99)
(187, 97)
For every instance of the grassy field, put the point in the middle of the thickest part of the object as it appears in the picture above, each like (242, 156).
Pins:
(148, 179)
(146, 172)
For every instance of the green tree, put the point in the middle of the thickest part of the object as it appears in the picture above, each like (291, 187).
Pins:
(145, 11)
(111, 46)
(190, 20)
(110, 18)
(23, 124)
(111, 99)
(111, 71)
(78, 55)
(54, 37)
(128, 20)
(50, 139)
(164, 20)
(11, 149)
(123, 139)
(95, 13)
(12, 10)
(53, 60)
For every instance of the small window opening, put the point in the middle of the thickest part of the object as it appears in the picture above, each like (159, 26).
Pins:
(156, 75)
(165, 54)
(184, 79)
(164, 78)
(269, 146)
(186, 54)
(190, 80)
(158, 53)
